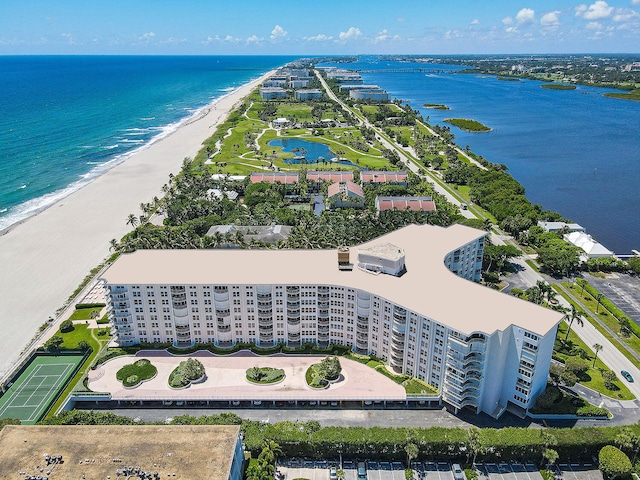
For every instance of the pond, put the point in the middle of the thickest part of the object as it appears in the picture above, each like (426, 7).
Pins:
(311, 153)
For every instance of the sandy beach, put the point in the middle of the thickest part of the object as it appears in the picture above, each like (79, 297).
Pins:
(44, 258)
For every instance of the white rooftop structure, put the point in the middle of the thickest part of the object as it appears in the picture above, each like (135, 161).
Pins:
(383, 258)
(591, 248)
(557, 226)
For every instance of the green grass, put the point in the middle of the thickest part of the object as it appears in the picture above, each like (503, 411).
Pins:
(533, 265)
(593, 377)
(416, 386)
(137, 372)
(468, 124)
(313, 379)
(557, 86)
(84, 313)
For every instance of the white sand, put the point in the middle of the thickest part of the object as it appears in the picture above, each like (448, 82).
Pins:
(43, 259)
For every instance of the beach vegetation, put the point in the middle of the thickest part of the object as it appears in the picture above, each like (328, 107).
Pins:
(633, 95)
(436, 106)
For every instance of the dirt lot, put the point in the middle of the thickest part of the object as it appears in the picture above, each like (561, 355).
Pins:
(103, 451)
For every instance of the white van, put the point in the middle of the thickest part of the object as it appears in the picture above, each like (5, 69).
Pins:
(458, 473)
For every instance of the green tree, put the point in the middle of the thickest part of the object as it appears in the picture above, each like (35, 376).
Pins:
(83, 345)
(66, 326)
(550, 455)
(599, 298)
(596, 348)
(609, 379)
(54, 343)
(614, 463)
(411, 449)
(575, 315)
(132, 220)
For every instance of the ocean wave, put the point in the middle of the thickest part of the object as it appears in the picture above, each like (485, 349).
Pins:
(130, 140)
(147, 118)
(111, 147)
(23, 187)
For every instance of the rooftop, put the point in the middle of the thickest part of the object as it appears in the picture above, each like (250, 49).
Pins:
(275, 177)
(345, 188)
(103, 451)
(427, 287)
(329, 176)
(425, 204)
(382, 176)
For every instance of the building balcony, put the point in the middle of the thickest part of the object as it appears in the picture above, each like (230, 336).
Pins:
(323, 330)
(293, 304)
(264, 322)
(323, 322)
(323, 313)
(362, 330)
(223, 313)
(362, 344)
(224, 328)
(293, 289)
(396, 362)
(221, 297)
(293, 322)
(264, 297)
(220, 289)
(398, 349)
(265, 313)
(323, 289)
(397, 338)
(293, 313)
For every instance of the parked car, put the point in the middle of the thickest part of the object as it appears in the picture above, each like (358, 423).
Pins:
(333, 473)
(458, 474)
(627, 376)
(362, 471)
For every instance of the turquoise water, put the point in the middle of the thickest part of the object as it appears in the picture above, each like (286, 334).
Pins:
(576, 152)
(65, 120)
(312, 151)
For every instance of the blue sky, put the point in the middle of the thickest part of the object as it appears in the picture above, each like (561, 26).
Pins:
(317, 28)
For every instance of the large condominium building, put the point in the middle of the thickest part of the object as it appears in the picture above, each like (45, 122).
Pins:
(407, 297)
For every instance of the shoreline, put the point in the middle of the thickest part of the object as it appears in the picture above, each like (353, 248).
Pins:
(103, 168)
(45, 256)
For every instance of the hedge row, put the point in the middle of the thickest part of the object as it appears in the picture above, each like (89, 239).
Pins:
(82, 306)
(615, 311)
(434, 443)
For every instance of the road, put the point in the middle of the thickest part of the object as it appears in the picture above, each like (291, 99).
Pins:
(404, 158)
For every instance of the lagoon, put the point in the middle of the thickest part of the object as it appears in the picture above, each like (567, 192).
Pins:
(576, 152)
(312, 152)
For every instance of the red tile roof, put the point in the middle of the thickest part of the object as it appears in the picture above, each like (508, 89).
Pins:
(347, 187)
(425, 204)
(329, 176)
(275, 177)
(382, 177)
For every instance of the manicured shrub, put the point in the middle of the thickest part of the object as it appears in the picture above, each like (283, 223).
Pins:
(135, 373)
(264, 375)
(66, 326)
(547, 398)
(614, 463)
(186, 372)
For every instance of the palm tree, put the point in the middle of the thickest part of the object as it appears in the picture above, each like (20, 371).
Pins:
(599, 297)
(596, 348)
(132, 220)
(113, 245)
(412, 451)
(574, 315)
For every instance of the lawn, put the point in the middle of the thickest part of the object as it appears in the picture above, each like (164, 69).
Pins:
(84, 313)
(593, 377)
(137, 372)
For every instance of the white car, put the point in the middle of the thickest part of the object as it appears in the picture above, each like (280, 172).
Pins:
(333, 473)
(458, 473)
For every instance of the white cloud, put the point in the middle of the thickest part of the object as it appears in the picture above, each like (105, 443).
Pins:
(252, 39)
(507, 21)
(353, 32)
(146, 36)
(319, 38)
(401, 19)
(69, 38)
(594, 26)
(595, 11)
(526, 15)
(635, 2)
(475, 21)
(230, 39)
(550, 19)
(384, 35)
(625, 15)
(278, 33)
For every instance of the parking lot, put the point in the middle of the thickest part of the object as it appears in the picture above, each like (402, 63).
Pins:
(319, 470)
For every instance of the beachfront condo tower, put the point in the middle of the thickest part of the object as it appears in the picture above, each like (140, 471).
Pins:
(409, 297)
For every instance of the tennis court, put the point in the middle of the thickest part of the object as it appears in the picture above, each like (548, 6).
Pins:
(34, 391)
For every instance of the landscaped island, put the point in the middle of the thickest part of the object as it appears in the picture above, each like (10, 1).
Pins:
(186, 373)
(265, 375)
(135, 373)
(557, 86)
(468, 125)
(632, 95)
(436, 106)
(320, 374)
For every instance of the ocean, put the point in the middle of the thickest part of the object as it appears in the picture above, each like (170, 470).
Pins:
(66, 119)
(575, 152)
